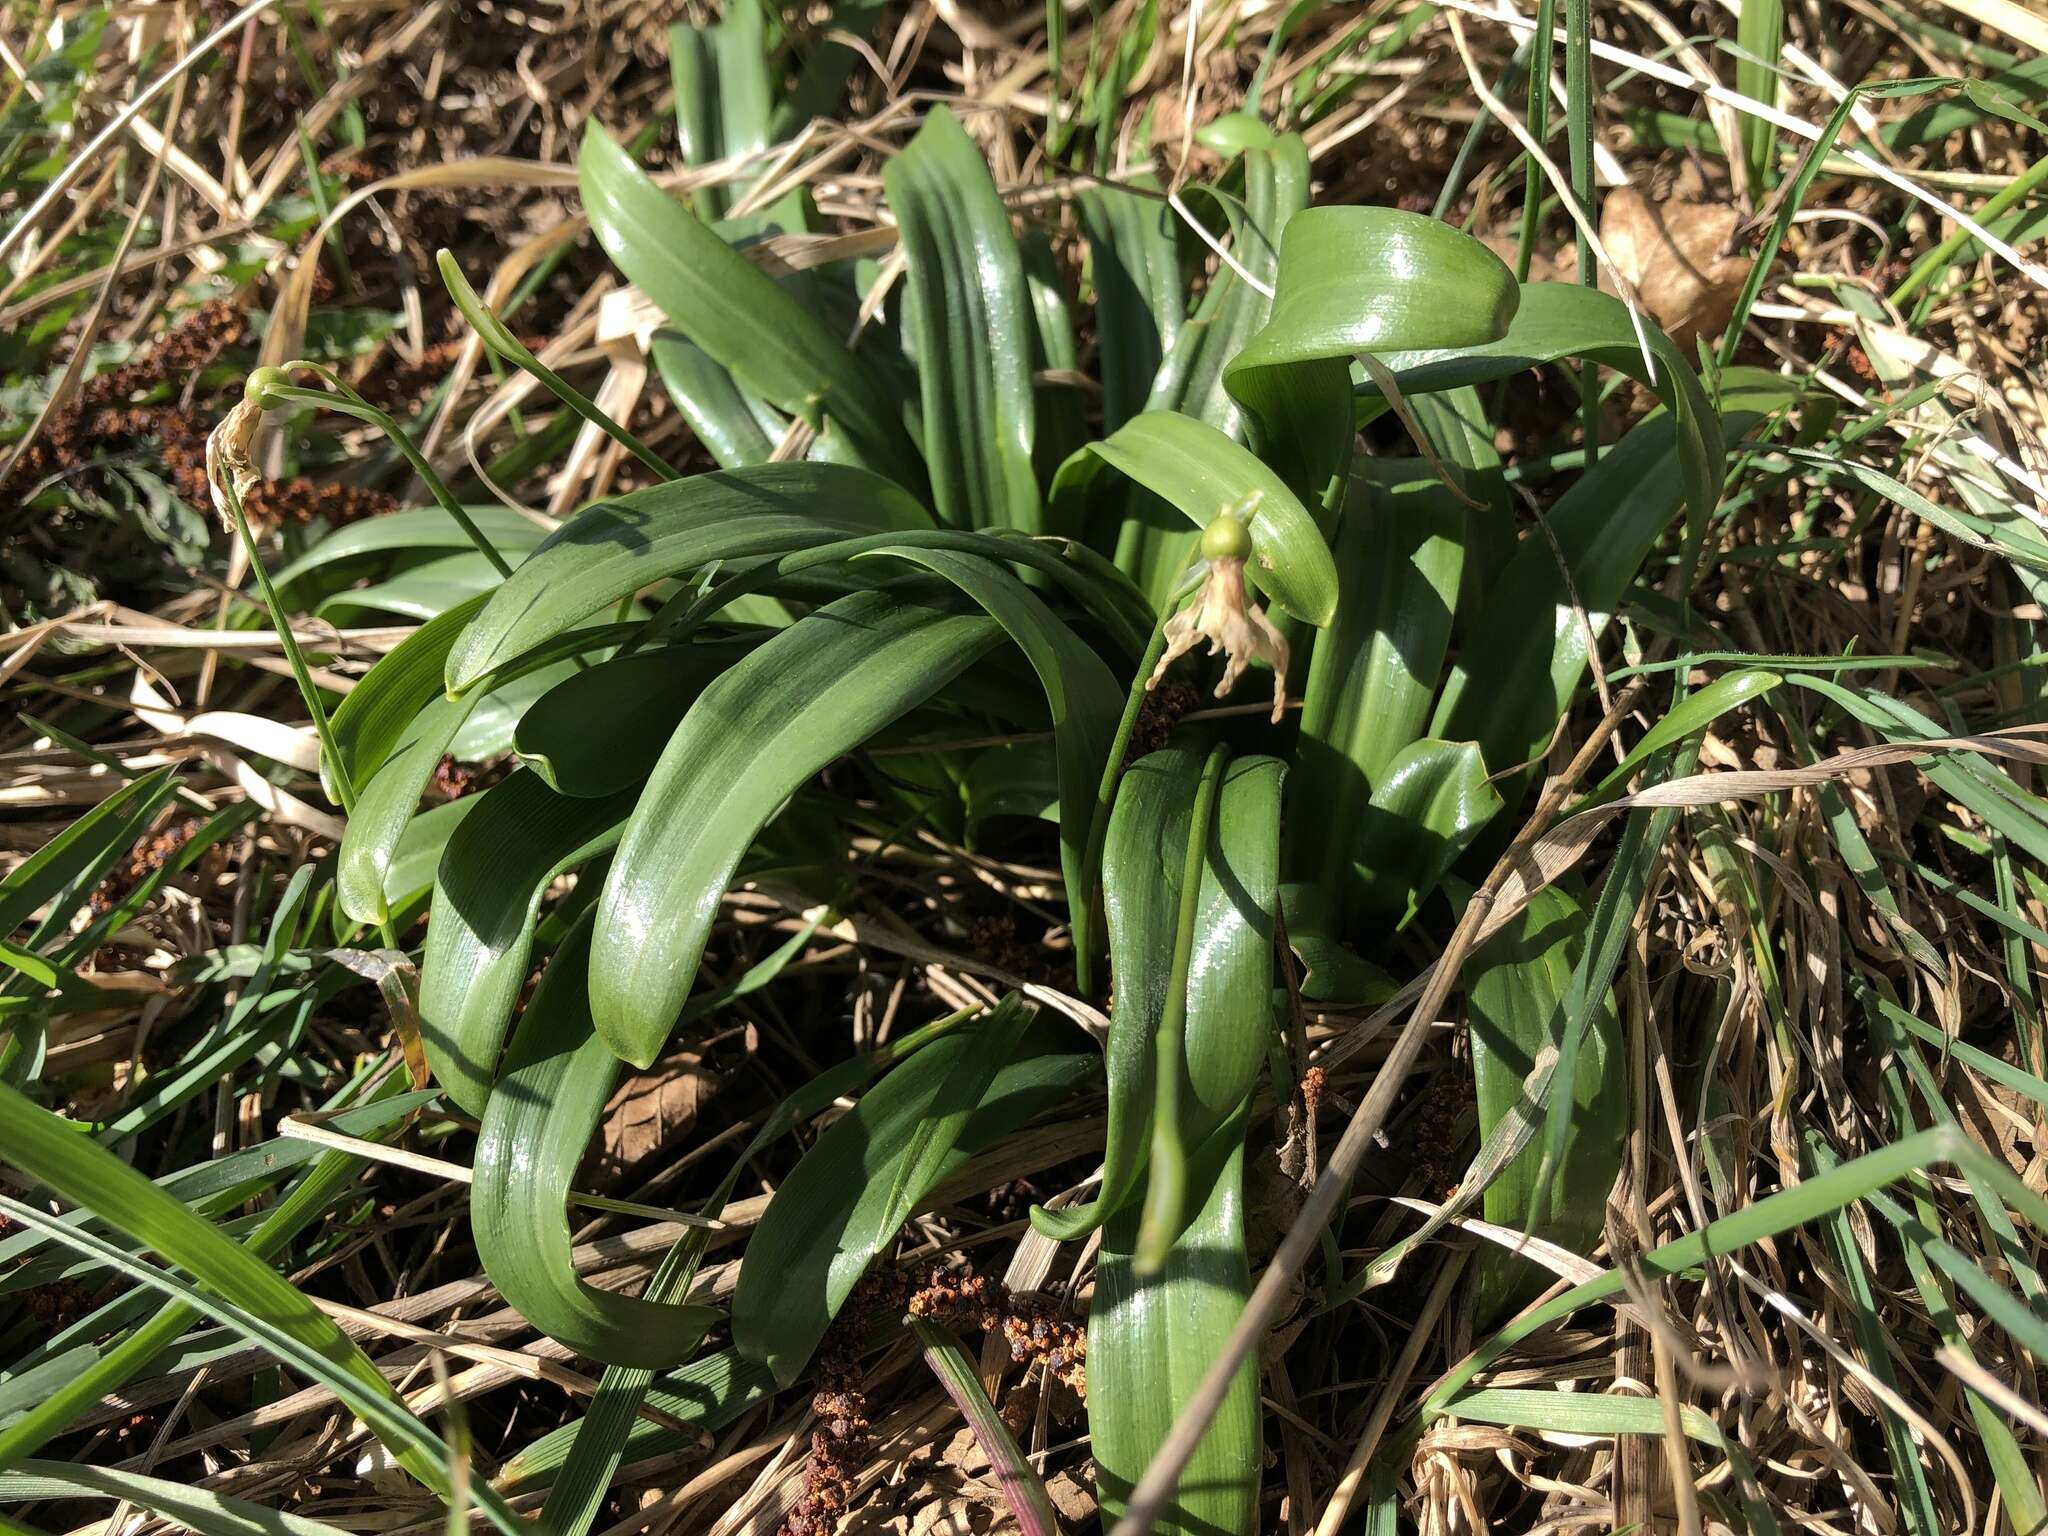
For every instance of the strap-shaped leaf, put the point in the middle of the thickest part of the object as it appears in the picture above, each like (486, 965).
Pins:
(1351, 281)
(1083, 695)
(1201, 471)
(968, 319)
(849, 1195)
(1227, 980)
(486, 898)
(816, 690)
(543, 1108)
(1517, 985)
(735, 429)
(1431, 800)
(1560, 320)
(570, 736)
(1134, 259)
(1374, 672)
(739, 315)
(1152, 1338)
(374, 716)
(612, 550)
(386, 805)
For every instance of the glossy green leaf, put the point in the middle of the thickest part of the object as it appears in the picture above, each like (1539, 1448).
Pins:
(418, 592)
(1227, 984)
(1200, 471)
(771, 344)
(386, 805)
(1431, 800)
(610, 551)
(1350, 281)
(374, 716)
(414, 531)
(1134, 261)
(1374, 672)
(1561, 320)
(1517, 985)
(968, 321)
(852, 1191)
(1151, 1339)
(735, 428)
(570, 735)
(543, 1107)
(487, 895)
(1081, 692)
(815, 690)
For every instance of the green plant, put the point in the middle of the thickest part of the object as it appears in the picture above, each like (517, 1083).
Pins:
(939, 521)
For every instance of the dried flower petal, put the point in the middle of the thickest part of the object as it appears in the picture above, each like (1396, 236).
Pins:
(1235, 628)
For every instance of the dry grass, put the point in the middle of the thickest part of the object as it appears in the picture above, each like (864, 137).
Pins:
(1768, 938)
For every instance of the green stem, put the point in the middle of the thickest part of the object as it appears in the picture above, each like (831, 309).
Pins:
(501, 341)
(1082, 902)
(1578, 94)
(1166, 1188)
(1545, 39)
(344, 788)
(349, 403)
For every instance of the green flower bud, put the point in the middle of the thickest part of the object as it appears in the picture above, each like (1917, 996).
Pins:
(261, 388)
(1226, 538)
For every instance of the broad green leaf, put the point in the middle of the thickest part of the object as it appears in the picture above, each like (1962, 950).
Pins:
(373, 716)
(1200, 471)
(419, 592)
(771, 344)
(1351, 281)
(735, 429)
(1561, 320)
(1151, 1340)
(55, 1154)
(1081, 692)
(724, 105)
(570, 735)
(543, 1107)
(1430, 801)
(1134, 263)
(1374, 672)
(497, 865)
(414, 531)
(1517, 986)
(815, 690)
(1148, 540)
(852, 1191)
(385, 807)
(968, 320)
(610, 551)
(1227, 985)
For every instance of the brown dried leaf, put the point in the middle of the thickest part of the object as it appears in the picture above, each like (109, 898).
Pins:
(1678, 256)
(646, 1113)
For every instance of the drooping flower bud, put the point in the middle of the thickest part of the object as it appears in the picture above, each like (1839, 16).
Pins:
(1221, 614)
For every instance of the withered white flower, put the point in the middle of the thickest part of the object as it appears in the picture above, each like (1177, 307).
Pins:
(230, 447)
(1237, 629)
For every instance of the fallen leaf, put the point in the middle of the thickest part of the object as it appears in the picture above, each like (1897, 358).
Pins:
(1676, 255)
(646, 1112)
